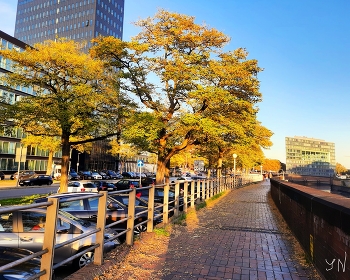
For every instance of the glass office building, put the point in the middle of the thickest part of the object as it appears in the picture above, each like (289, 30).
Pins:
(79, 20)
(36, 157)
(309, 156)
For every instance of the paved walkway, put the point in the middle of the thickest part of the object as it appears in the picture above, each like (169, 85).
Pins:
(237, 238)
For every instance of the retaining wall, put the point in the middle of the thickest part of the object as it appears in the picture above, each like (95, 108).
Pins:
(321, 223)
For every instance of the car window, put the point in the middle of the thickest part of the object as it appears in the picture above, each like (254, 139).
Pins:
(73, 184)
(6, 222)
(72, 205)
(89, 185)
(33, 221)
(93, 203)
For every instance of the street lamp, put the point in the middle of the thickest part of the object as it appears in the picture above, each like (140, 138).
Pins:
(234, 170)
(78, 162)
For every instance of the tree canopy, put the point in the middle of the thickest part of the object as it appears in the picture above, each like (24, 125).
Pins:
(190, 90)
(74, 98)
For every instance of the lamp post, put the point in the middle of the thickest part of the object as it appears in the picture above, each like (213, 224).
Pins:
(78, 162)
(234, 170)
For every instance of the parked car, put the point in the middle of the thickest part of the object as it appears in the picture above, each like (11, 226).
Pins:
(81, 186)
(23, 175)
(104, 176)
(25, 230)
(145, 182)
(129, 175)
(39, 180)
(86, 209)
(112, 174)
(2, 175)
(21, 271)
(73, 176)
(124, 198)
(105, 186)
(96, 176)
(125, 184)
(85, 175)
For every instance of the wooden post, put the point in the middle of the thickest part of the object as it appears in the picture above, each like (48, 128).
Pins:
(193, 195)
(131, 215)
(166, 204)
(177, 193)
(185, 196)
(150, 222)
(101, 222)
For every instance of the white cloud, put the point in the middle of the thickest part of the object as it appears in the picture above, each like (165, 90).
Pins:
(8, 16)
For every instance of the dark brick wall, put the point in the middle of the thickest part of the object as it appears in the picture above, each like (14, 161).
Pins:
(321, 223)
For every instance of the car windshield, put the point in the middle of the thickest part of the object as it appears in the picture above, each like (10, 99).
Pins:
(71, 217)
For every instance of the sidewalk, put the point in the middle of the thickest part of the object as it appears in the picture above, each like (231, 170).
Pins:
(240, 237)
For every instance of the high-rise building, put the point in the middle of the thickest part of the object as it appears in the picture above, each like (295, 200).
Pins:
(309, 156)
(10, 138)
(79, 20)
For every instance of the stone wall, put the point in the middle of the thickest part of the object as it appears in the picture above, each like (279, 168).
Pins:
(321, 223)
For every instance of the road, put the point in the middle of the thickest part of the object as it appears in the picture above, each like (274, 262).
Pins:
(10, 190)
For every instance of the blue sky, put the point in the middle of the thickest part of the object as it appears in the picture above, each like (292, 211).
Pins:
(303, 46)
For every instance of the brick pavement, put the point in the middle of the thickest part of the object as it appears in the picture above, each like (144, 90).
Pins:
(237, 238)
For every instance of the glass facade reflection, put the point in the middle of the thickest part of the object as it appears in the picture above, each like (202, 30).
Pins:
(36, 158)
(309, 156)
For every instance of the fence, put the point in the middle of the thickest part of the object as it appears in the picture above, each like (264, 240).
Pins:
(199, 190)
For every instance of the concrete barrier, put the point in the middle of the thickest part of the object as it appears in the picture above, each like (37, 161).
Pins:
(321, 223)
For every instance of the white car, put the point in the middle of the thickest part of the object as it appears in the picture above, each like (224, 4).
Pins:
(96, 176)
(81, 186)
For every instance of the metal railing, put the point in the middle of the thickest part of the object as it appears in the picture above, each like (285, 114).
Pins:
(192, 191)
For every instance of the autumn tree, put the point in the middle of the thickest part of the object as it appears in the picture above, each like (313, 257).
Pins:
(340, 169)
(271, 165)
(73, 95)
(179, 73)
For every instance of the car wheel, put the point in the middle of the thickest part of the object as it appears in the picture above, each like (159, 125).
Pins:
(31, 184)
(49, 183)
(140, 228)
(83, 260)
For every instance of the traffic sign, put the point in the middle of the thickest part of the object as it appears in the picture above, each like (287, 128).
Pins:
(140, 163)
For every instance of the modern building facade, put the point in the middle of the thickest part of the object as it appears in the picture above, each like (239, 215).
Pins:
(79, 20)
(310, 156)
(36, 157)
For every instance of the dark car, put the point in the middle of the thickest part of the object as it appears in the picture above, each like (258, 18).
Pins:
(125, 184)
(37, 181)
(73, 176)
(21, 271)
(105, 186)
(104, 175)
(86, 209)
(147, 181)
(124, 198)
(85, 175)
(128, 175)
(112, 174)
(2, 175)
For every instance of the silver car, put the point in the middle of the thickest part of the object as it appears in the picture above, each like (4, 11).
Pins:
(25, 229)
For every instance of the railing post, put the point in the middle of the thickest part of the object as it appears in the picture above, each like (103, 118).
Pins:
(211, 188)
(185, 196)
(166, 204)
(193, 195)
(49, 238)
(177, 193)
(101, 222)
(207, 189)
(131, 217)
(150, 222)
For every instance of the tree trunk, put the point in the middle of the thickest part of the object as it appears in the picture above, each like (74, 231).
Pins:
(65, 163)
(49, 163)
(163, 167)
